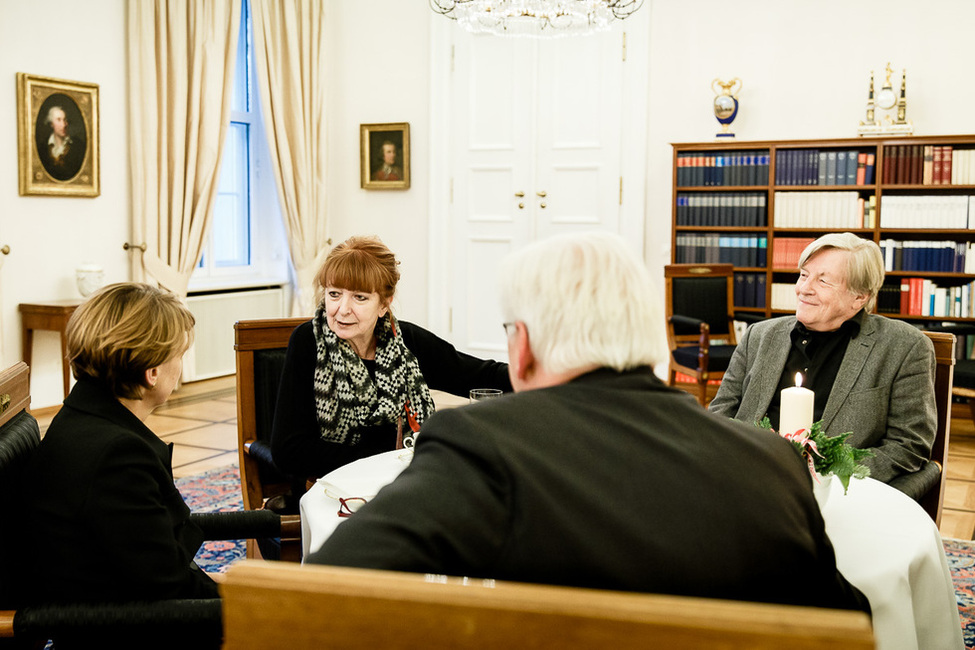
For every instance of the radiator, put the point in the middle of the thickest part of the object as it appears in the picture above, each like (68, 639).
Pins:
(212, 353)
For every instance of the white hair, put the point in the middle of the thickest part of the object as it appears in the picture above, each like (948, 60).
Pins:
(585, 299)
(865, 270)
(50, 114)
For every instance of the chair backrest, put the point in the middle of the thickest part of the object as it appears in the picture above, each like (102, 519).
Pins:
(944, 352)
(337, 607)
(704, 292)
(260, 350)
(19, 436)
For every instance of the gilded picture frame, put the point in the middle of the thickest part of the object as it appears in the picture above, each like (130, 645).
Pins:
(57, 137)
(384, 156)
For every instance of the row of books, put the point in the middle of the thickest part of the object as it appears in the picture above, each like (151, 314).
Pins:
(786, 251)
(916, 164)
(824, 167)
(750, 290)
(783, 296)
(735, 209)
(930, 211)
(928, 256)
(820, 210)
(961, 169)
(714, 248)
(923, 297)
(724, 168)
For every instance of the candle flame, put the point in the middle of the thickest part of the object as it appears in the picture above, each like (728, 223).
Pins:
(798, 380)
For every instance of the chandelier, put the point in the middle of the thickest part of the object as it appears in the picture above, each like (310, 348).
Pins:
(539, 18)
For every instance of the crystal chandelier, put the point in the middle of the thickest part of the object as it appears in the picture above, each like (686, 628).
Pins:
(539, 18)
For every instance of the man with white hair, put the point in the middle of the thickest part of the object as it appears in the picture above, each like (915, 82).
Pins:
(872, 376)
(594, 473)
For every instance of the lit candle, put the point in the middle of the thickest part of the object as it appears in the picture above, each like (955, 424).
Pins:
(796, 409)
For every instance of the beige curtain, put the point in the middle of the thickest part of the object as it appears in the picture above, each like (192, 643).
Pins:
(289, 56)
(181, 62)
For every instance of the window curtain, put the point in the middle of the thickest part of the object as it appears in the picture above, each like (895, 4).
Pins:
(182, 55)
(289, 57)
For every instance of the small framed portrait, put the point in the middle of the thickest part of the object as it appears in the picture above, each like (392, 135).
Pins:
(385, 156)
(57, 136)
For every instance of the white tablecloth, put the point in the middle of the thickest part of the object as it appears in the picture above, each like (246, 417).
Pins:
(890, 549)
(362, 478)
(885, 544)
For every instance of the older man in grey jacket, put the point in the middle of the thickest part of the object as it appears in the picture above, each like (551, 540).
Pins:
(871, 375)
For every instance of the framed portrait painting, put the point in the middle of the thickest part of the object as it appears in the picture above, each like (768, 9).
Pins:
(385, 156)
(57, 136)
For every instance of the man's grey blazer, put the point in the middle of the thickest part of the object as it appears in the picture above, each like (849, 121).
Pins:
(883, 393)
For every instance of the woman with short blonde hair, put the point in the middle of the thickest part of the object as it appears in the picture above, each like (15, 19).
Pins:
(103, 520)
(128, 329)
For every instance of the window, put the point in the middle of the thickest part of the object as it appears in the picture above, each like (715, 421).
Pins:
(246, 244)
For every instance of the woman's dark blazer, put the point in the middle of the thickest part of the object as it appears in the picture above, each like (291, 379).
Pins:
(103, 520)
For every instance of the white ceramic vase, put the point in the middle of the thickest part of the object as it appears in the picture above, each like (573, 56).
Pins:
(89, 278)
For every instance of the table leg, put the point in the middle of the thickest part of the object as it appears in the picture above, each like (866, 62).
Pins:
(66, 370)
(27, 344)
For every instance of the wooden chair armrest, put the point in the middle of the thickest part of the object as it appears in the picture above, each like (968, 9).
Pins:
(290, 526)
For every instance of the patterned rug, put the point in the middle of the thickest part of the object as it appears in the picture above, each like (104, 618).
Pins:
(217, 490)
(961, 561)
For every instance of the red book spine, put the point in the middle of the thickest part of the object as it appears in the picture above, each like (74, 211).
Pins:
(946, 165)
(861, 169)
(937, 166)
(888, 167)
(917, 296)
(901, 171)
(905, 295)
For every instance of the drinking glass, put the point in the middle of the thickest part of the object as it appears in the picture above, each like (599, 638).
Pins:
(478, 394)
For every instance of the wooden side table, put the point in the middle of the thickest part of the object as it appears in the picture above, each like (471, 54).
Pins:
(52, 316)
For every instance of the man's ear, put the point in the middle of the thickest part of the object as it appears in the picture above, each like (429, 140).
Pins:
(524, 357)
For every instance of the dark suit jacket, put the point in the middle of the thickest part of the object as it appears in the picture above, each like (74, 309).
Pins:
(883, 393)
(102, 518)
(611, 481)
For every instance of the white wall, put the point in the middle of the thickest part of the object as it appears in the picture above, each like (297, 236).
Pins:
(381, 73)
(50, 236)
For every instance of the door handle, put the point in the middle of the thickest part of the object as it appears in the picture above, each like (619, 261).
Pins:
(519, 194)
(542, 194)
(542, 205)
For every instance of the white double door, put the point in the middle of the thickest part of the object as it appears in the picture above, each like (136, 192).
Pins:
(536, 149)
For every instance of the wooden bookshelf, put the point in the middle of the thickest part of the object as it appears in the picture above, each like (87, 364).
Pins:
(754, 204)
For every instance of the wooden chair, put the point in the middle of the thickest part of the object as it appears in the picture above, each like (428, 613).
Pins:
(944, 352)
(260, 349)
(700, 308)
(927, 485)
(184, 623)
(333, 607)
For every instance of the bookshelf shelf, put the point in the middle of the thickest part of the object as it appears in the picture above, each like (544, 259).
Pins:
(785, 192)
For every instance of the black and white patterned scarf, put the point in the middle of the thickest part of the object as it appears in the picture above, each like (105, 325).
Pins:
(347, 398)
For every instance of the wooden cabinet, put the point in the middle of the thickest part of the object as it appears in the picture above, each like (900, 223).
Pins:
(757, 204)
